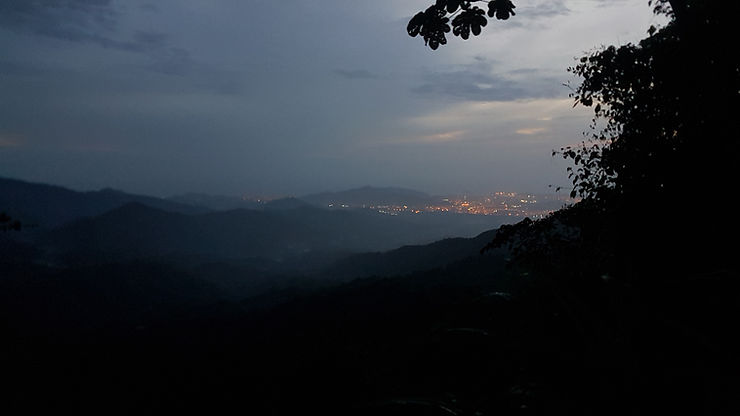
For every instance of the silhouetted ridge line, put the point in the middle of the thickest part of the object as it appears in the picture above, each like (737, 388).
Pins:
(49, 205)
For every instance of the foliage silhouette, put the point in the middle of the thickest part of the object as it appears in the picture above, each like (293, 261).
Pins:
(660, 128)
(642, 264)
(434, 22)
(7, 223)
(464, 18)
(655, 115)
(659, 135)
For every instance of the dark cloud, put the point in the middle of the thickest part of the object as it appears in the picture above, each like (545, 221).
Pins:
(609, 3)
(19, 69)
(150, 40)
(544, 9)
(525, 71)
(73, 20)
(92, 22)
(530, 14)
(466, 85)
(476, 82)
(355, 74)
(170, 61)
(149, 7)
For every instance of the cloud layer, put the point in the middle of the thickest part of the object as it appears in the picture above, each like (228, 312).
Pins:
(290, 97)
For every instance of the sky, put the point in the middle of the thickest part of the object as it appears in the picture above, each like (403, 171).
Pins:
(259, 97)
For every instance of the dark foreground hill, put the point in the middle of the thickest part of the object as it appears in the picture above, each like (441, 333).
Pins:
(469, 338)
(97, 295)
(137, 231)
(408, 259)
(116, 339)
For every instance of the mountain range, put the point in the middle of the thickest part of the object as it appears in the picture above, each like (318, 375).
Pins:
(269, 240)
(44, 205)
(87, 247)
(370, 196)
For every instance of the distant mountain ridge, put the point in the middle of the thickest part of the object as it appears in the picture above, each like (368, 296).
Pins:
(138, 231)
(283, 235)
(368, 195)
(286, 203)
(51, 206)
(214, 202)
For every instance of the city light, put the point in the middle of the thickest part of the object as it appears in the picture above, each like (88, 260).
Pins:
(510, 204)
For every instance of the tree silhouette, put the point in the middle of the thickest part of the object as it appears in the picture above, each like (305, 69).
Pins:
(7, 223)
(660, 132)
(660, 101)
(462, 17)
(643, 263)
(459, 16)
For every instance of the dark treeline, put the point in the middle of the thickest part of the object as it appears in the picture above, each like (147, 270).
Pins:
(651, 289)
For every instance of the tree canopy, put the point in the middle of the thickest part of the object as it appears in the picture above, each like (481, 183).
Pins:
(662, 132)
(459, 16)
(463, 17)
(644, 262)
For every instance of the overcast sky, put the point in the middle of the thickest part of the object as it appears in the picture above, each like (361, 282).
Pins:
(291, 97)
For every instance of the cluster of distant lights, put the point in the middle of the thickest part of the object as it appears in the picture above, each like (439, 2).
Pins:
(521, 206)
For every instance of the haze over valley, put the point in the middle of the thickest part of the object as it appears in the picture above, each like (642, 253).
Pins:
(317, 236)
